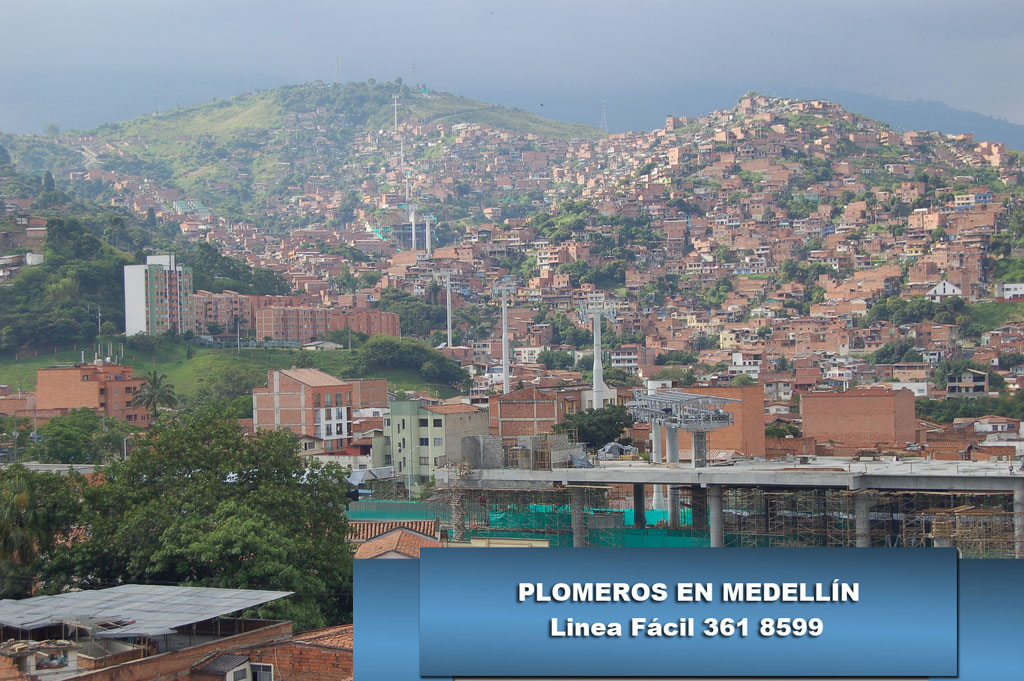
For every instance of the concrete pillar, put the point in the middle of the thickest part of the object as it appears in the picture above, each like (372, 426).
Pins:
(715, 509)
(862, 519)
(699, 507)
(672, 443)
(658, 499)
(1018, 519)
(674, 513)
(700, 449)
(639, 506)
(579, 518)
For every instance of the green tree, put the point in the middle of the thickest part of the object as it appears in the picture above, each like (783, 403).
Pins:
(556, 359)
(156, 392)
(741, 380)
(70, 438)
(202, 504)
(597, 427)
(35, 508)
(48, 185)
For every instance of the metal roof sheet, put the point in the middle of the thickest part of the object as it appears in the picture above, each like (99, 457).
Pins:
(134, 609)
(223, 664)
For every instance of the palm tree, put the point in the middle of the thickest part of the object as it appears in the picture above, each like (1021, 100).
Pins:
(24, 521)
(154, 393)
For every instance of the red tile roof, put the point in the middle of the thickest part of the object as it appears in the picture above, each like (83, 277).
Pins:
(366, 530)
(335, 637)
(400, 540)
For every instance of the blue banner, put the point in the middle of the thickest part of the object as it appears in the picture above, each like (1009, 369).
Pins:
(688, 612)
(473, 613)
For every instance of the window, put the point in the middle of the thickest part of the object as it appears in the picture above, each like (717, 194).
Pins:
(424, 460)
(329, 430)
(424, 442)
(437, 423)
(439, 442)
(339, 414)
(327, 414)
(262, 672)
(423, 423)
(103, 391)
(240, 675)
(327, 399)
(339, 400)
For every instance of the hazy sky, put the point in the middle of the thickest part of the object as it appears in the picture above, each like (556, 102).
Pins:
(78, 63)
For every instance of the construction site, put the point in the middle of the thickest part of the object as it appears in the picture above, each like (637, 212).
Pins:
(547, 488)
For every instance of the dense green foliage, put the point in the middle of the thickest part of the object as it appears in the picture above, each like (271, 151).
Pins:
(80, 437)
(199, 503)
(946, 411)
(418, 318)
(556, 359)
(391, 352)
(50, 303)
(896, 351)
(36, 510)
(597, 427)
(212, 271)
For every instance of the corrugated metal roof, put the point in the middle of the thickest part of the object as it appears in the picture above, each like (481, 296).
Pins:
(132, 609)
(223, 664)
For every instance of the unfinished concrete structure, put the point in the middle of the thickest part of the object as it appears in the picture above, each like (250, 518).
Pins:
(977, 507)
(674, 410)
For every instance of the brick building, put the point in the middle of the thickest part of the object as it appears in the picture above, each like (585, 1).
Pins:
(308, 324)
(860, 418)
(531, 411)
(312, 404)
(224, 309)
(107, 389)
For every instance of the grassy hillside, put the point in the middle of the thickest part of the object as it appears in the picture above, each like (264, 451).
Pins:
(188, 376)
(231, 152)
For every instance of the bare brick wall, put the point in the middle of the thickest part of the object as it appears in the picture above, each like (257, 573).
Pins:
(859, 418)
(178, 665)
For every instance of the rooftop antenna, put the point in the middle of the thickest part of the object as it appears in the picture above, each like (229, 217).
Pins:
(597, 313)
(426, 220)
(604, 117)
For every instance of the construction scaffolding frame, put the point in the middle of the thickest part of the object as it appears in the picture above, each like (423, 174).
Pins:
(979, 524)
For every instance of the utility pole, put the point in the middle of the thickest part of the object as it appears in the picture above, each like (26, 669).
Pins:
(504, 342)
(448, 295)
